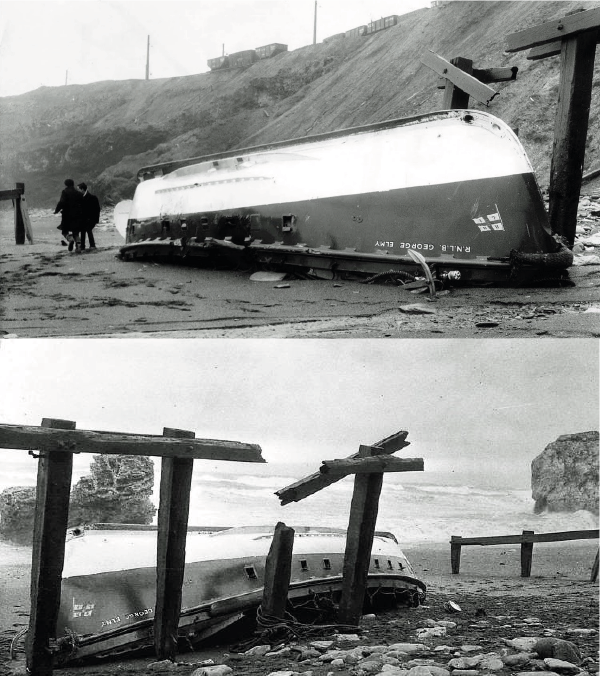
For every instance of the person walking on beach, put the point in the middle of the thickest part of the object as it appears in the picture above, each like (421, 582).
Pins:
(91, 215)
(70, 206)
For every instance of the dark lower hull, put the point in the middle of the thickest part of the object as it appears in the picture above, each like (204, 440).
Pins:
(468, 227)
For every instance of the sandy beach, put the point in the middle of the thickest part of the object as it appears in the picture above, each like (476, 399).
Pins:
(48, 292)
(496, 604)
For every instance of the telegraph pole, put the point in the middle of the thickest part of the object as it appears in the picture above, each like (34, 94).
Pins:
(148, 58)
(66, 77)
(315, 24)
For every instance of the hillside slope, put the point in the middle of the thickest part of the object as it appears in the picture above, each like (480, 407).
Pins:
(104, 132)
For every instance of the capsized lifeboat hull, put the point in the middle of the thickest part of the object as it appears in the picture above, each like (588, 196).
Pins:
(108, 590)
(455, 186)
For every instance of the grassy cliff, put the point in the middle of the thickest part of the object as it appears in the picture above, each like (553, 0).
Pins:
(102, 133)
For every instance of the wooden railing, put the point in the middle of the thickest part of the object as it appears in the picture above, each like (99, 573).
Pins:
(526, 540)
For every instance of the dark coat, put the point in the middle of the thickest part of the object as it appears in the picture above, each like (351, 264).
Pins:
(71, 207)
(91, 210)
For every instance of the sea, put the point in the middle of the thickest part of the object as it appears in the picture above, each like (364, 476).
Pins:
(418, 507)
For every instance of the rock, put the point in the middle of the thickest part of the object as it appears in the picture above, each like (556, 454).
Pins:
(558, 649)
(369, 666)
(417, 309)
(214, 670)
(536, 673)
(516, 660)
(465, 662)
(409, 648)
(428, 670)
(430, 632)
(525, 643)
(561, 666)
(370, 618)
(347, 638)
(308, 654)
(17, 507)
(491, 663)
(465, 672)
(258, 650)
(565, 476)
(470, 648)
(337, 663)
(322, 646)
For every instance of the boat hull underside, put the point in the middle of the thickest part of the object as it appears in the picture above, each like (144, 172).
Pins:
(113, 612)
(471, 226)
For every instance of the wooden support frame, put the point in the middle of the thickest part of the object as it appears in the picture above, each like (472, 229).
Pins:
(378, 463)
(526, 541)
(575, 37)
(58, 440)
(49, 536)
(23, 229)
(174, 506)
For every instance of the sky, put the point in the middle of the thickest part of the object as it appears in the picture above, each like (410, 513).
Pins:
(50, 42)
(490, 404)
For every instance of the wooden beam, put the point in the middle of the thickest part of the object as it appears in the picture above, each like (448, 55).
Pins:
(174, 507)
(595, 568)
(544, 51)
(278, 568)
(487, 75)
(13, 194)
(19, 221)
(49, 534)
(571, 125)
(316, 481)
(115, 443)
(550, 31)
(359, 542)
(468, 84)
(372, 464)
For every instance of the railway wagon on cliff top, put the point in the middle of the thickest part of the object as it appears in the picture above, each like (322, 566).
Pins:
(381, 24)
(244, 58)
(219, 62)
(359, 31)
(267, 51)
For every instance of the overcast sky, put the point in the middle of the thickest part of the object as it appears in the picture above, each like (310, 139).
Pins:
(93, 40)
(490, 403)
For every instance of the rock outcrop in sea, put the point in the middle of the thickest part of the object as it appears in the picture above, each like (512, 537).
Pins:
(117, 490)
(565, 476)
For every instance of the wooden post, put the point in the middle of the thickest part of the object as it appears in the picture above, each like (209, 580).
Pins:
(278, 568)
(49, 534)
(359, 540)
(595, 568)
(571, 125)
(19, 224)
(526, 554)
(174, 505)
(455, 554)
(453, 97)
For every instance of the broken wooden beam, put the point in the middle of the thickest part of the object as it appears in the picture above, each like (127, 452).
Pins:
(315, 482)
(526, 549)
(174, 507)
(116, 443)
(544, 51)
(487, 75)
(359, 542)
(278, 569)
(458, 77)
(49, 535)
(550, 31)
(381, 463)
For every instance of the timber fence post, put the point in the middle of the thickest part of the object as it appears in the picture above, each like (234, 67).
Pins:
(278, 568)
(455, 554)
(526, 554)
(19, 223)
(48, 555)
(595, 568)
(174, 507)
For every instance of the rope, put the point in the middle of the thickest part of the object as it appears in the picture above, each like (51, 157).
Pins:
(394, 275)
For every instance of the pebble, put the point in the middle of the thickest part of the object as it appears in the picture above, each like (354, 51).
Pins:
(561, 666)
(559, 649)
(214, 670)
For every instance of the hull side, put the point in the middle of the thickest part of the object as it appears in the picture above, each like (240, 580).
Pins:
(112, 610)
